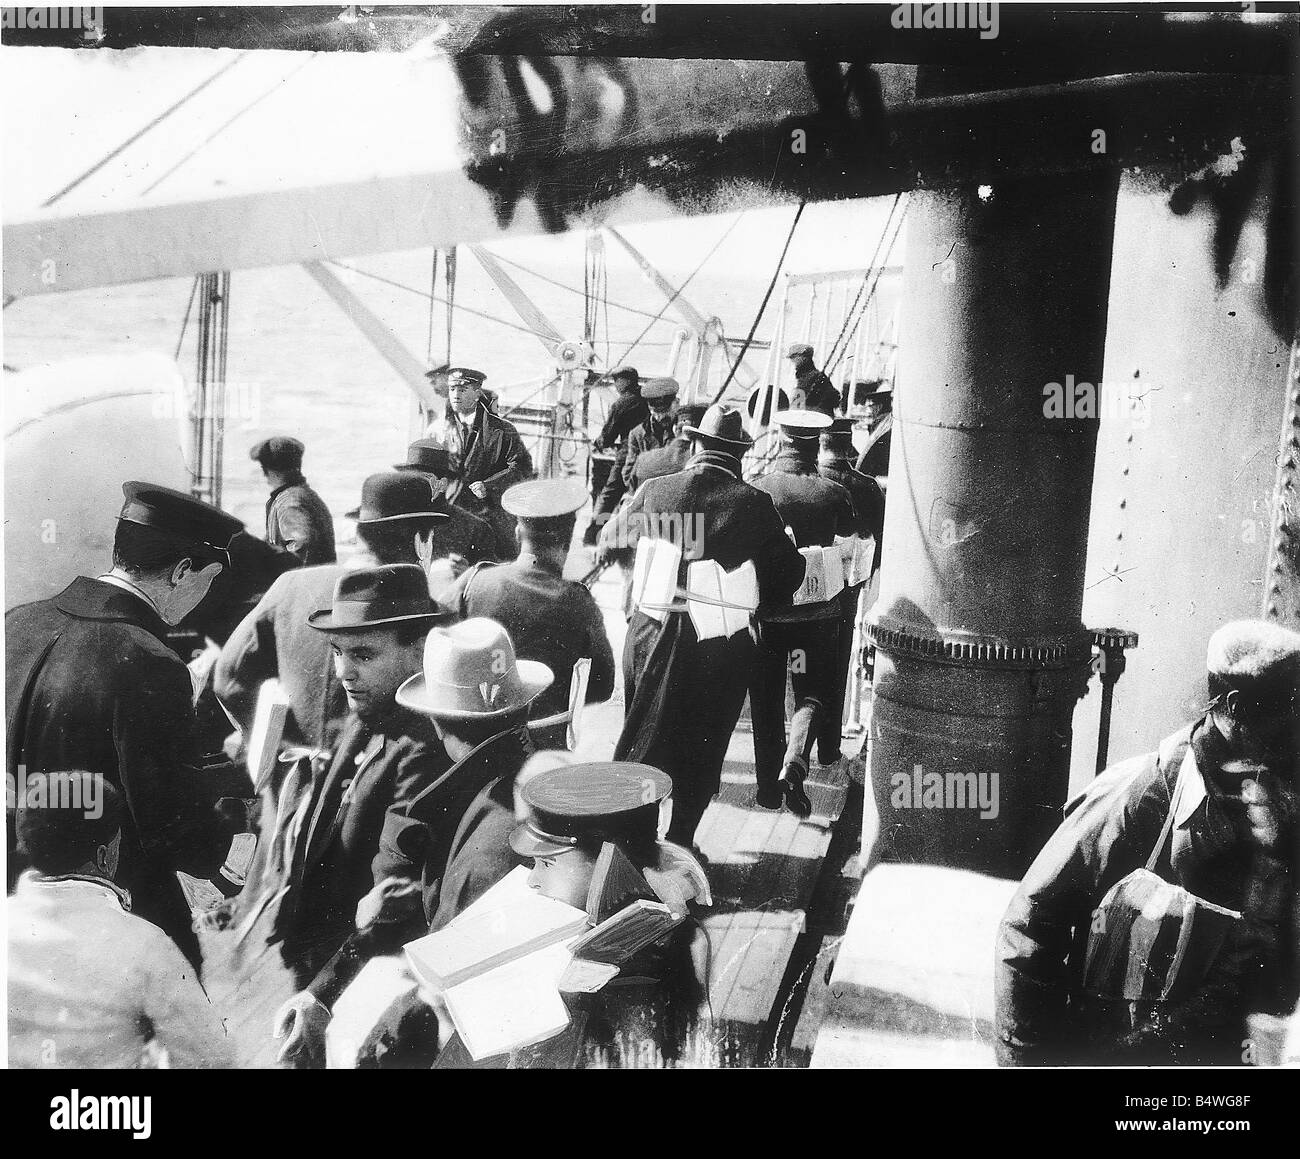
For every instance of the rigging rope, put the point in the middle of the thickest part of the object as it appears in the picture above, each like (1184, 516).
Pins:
(776, 273)
(678, 292)
(872, 277)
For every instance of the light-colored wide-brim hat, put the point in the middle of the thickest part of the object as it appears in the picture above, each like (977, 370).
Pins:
(471, 673)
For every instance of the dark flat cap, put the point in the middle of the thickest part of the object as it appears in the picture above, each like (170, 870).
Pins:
(799, 350)
(659, 388)
(279, 453)
(178, 514)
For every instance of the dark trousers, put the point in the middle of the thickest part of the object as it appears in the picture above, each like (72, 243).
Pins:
(683, 700)
(614, 490)
(809, 651)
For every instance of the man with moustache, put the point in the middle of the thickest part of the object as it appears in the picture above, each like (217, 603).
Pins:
(1213, 812)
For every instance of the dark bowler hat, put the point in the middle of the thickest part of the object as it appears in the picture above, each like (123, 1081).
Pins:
(393, 495)
(577, 806)
(427, 455)
(470, 673)
(876, 386)
(278, 453)
(370, 597)
(722, 425)
(802, 424)
(461, 374)
(659, 388)
(541, 499)
(799, 350)
(178, 514)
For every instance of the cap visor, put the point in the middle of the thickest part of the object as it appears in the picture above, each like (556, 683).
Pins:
(527, 844)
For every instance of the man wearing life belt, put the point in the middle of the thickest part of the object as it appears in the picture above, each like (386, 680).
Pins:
(1212, 812)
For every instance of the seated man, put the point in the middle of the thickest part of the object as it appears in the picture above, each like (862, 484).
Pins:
(591, 831)
(385, 758)
(91, 984)
(1211, 811)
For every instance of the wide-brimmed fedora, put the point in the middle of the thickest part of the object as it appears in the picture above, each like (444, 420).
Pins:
(471, 672)
(395, 495)
(723, 425)
(370, 597)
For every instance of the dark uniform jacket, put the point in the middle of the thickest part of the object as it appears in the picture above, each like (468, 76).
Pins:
(275, 641)
(649, 436)
(666, 460)
(1110, 830)
(376, 772)
(298, 521)
(815, 509)
(91, 685)
(466, 816)
(818, 392)
(868, 499)
(495, 456)
(550, 619)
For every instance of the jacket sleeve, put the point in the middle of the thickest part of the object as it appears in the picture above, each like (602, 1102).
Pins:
(404, 841)
(297, 528)
(636, 444)
(248, 659)
(182, 1015)
(618, 538)
(600, 681)
(1100, 840)
(518, 465)
(154, 734)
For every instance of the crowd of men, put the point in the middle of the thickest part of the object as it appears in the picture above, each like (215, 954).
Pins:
(430, 683)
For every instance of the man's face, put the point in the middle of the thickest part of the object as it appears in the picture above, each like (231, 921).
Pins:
(463, 396)
(564, 876)
(188, 587)
(371, 666)
(877, 407)
(661, 408)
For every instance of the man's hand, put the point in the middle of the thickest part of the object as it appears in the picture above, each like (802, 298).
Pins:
(393, 900)
(479, 489)
(301, 1022)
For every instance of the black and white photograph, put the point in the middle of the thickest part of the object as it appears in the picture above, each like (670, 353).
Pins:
(664, 537)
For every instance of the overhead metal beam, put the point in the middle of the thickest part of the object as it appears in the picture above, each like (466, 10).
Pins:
(409, 368)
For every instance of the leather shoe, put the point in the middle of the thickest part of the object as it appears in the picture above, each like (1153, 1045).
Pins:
(796, 799)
